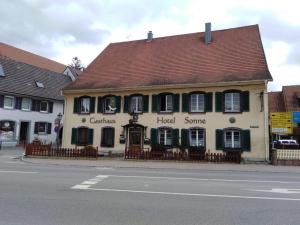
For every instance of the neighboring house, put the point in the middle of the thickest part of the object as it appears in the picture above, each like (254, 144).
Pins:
(201, 91)
(287, 100)
(30, 100)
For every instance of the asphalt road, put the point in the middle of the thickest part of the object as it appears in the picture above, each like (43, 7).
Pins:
(70, 195)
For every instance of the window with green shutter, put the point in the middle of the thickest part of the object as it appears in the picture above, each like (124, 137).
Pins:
(245, 101)
(153, 137)
(92, 109)
(74, 136)
(83, 136)
(219, 139)
(176, 102)
(246, 140)
(110, 104)
(185, 138)
(107, 137)
(219, 101)
(175, 137)
(166, 102)
(185, 102)
(154, 103)
(118, 104)
(145, 103)
(100, 105)
(208, 102)
(126, 104)
(75, 106)
(90, 136)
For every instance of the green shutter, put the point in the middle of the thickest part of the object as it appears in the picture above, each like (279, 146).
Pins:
(145, 103)
(118, 104)
(219, 101)
(245, 101)
(74, 136)
(93, 99)
(153, 137)
(91, 136)
(175, 137)
(154, 103)
(246, 140)
(184, 138)
(219, 139)
(75, 106)
(175, 102)
(100, 105)
(126, 104)
(185, 102)
(208, 102)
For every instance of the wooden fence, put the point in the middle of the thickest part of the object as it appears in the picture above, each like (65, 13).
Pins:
(49, 151)
(234, 157)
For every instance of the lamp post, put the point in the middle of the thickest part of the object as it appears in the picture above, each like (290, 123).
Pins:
(57, 123)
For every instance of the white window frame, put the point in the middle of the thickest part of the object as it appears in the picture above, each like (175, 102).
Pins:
(113, 110)
(232, 102)
(200, 142)
(136, 102)
(44, 111)
(231, 142)
(13, 102)
(163, 137)
(87, 108)
(199, 101)
(29, 105)
(168, 103)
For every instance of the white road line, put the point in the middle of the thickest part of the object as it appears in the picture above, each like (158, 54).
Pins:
(208, 179)
(195, 194)
(12, 171)
(88, 183)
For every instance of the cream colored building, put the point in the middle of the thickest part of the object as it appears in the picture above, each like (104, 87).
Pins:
(202, 92)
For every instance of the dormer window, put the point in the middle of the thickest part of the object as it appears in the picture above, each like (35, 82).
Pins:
(39, 84)
(2, 74)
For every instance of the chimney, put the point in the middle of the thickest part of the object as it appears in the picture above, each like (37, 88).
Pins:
(150, 36)
(207, 37)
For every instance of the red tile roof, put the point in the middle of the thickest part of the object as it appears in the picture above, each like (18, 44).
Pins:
(30, 58)
(234, 55)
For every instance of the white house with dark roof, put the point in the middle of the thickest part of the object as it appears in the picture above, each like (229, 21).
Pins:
(30, 101)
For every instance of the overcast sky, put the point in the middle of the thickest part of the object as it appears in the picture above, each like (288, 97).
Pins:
(63, 29)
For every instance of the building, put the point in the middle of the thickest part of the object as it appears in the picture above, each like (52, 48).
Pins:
(30, 100)
(201, 91)
(286, 102)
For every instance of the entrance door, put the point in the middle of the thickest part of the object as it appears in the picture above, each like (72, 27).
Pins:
(135, 139)
(24, 132)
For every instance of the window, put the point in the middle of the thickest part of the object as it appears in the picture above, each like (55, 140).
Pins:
(26, 104)
(110, 104)
(108, 136)
(165, 136)
(166, 103)
(7, 129)
(196, 137)
(197, 102)
(136, 104)
(39, 84)
(44, 106)
(82, 136)
(85, 105)
(232, 102)
(232, 139)
(2, 74)
(42, 128)
(9, 102)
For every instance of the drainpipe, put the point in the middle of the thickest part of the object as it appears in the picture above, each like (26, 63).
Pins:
(266, 122)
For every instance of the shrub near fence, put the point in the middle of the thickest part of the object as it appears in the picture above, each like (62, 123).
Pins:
(48, 151)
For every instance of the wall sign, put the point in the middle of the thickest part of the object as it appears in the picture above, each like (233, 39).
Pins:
(296, 117)
(187, 120)
(103, 120)
(281, 123)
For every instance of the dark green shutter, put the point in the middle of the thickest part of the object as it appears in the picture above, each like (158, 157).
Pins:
(1, 101)
(208, 102)
(92, 109)
(175, 137)
(246, 140)
(49, 125)
(126, 104)
(245, 101)
(50, 110)
(36, 127)
(219, 139)
(100, 105)
(118, 104)
(184, 138)
(154, 103)
(175, 103)
(219, 101)
(74, 136)
(91, 136)
(153, 137)
(145, 103)
(18, 103)
(185, 102)
(76, 105)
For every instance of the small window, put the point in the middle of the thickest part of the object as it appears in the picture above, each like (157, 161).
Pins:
(197, 102)
(39, 84)
(2, 74)
(232, 102)
(85, 105)
(7, 130)
(166, 103)
(82, 136)
(136, 104)
(26, 104)
(232, 138)
(9, 102)
(42, 128)
(107, 137)
(110, 104)
(44, 106)
(165, 136)
(197, 137)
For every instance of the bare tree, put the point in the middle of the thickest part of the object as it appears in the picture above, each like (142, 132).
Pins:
(77, 64)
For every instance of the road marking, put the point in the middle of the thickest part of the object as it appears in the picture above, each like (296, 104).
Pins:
(12, 171)
(105, 168)
(88, 183)
(281, 191)
(195, 194)
(207, 179)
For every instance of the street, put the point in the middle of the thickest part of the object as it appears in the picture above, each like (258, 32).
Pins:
(45, 194)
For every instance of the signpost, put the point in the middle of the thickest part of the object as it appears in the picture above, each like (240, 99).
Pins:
(281, 123)
(296, 117)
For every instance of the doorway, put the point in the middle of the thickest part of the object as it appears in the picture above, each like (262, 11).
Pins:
(24, 127)
(135, 138)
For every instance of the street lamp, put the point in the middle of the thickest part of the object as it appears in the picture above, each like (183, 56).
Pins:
(57, 124)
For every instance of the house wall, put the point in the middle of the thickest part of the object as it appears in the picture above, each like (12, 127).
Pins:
(255, 120)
